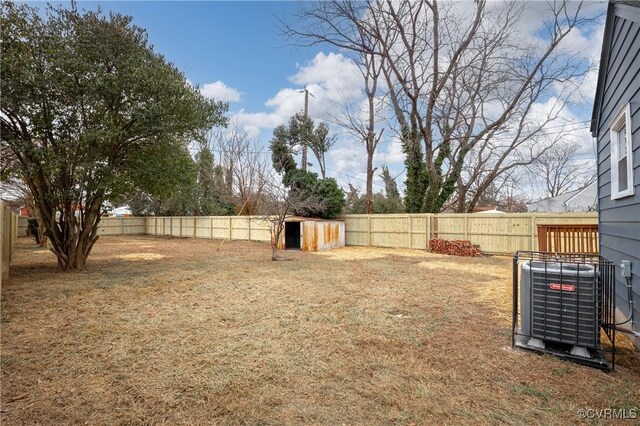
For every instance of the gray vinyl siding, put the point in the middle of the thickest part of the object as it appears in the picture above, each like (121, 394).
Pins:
(620, 219)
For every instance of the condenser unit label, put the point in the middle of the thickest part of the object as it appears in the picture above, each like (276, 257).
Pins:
(562, 287)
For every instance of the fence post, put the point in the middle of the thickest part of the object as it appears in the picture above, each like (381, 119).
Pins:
(427, 230)
(13, 233)
(434, 225)
(466, 226)
(211, 228)
(122, 226)
(194, 227)
(14, 229)
(230, 224)
(369, 230)
(249, 224)
(180, 226)
(409, 231)
(533, 232)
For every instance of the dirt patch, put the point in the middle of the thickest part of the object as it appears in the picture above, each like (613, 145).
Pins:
(163, 330)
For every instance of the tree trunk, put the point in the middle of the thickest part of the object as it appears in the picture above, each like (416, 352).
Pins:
(42, 235)
(73, 253)
(368, 206)
(462, 196)
(277, 233)
(71, 238)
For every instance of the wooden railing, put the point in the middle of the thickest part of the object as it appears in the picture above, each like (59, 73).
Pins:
(568, 238)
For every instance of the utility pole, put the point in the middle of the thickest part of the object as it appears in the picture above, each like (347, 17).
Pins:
(304, 141)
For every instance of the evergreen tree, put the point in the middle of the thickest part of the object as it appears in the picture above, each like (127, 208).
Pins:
(416, 181)
(211, 190)
(391, 202)
(314, 197)
(90, 113)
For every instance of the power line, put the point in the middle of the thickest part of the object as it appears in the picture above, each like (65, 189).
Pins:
(347, 175)
(557, 126)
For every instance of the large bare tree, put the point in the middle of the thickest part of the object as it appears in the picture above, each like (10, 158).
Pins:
(244, 165)
(463, 79)
(363, 124)
(559, 170)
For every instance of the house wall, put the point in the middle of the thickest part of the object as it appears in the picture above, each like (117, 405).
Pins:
(619, 220)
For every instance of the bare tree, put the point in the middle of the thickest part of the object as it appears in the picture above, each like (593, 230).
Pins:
(320, 143)
(244, 165)
(363, 126)
(459, 79)
(278, 204)
(560, 171)
(504, 194)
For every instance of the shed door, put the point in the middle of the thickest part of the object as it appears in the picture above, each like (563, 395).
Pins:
(292, 235)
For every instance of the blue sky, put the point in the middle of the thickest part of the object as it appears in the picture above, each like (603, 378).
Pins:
(237, 43)
(234, 51)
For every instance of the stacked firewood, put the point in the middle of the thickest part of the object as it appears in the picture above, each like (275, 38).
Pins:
(454, 247)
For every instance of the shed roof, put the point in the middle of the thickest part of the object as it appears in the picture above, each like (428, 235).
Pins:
(310, 219)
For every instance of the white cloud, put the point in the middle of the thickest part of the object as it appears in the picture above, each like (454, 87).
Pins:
(334, 75)
(390, 153)
(333, 78)
(583, 44)
(346, 162)
(220, 91)
(565, 126)
(255, 121)
(586, 45)
(330, 78)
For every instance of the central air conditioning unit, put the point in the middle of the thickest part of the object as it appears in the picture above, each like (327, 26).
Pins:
(561, 304)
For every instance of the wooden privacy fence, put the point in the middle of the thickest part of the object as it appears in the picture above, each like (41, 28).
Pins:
(252, 228)
(494, 233)
(8, 235)
(122, 226)
(107, 226)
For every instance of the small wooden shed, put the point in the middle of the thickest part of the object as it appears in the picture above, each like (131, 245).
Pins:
(309, 234)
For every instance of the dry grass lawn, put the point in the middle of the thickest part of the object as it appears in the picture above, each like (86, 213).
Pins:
(172, 331)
